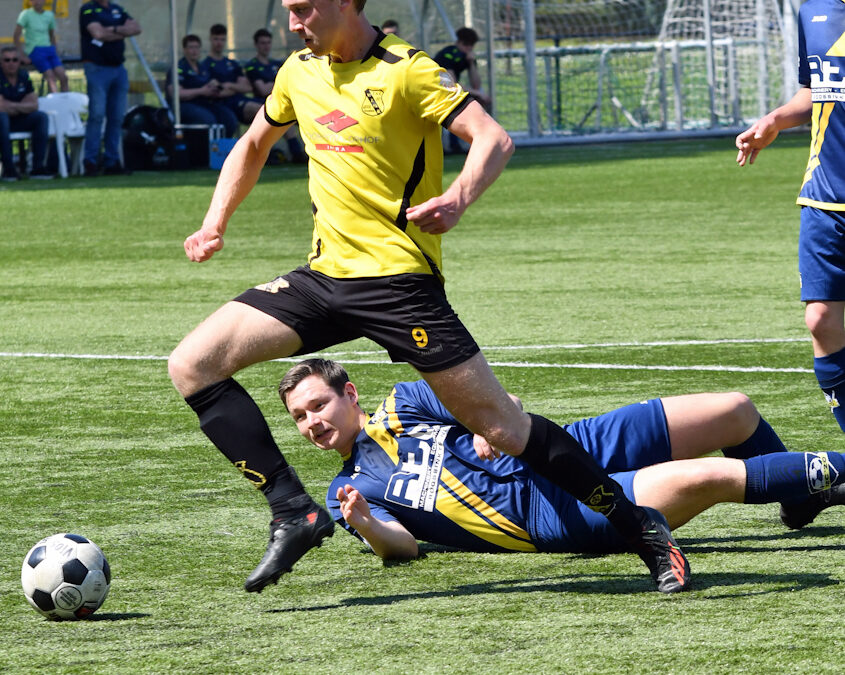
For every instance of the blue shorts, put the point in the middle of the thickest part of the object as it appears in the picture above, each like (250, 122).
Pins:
(821, 254)
(45, 58)
(622, 441)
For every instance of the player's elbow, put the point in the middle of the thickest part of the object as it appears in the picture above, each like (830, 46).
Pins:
(407, 551)
(398, 547)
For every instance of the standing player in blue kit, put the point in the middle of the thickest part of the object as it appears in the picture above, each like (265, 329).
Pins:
(821, 245)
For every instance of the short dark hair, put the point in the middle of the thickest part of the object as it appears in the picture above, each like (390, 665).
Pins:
(190, 38)
(359, 5)
(390, 23)
(8, 48)
(218, 29)
(466, 36)
(331, 372)
(261, 33)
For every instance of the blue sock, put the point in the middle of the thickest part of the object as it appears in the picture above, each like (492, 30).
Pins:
(830, 372)
(763, 441)
(791, 476)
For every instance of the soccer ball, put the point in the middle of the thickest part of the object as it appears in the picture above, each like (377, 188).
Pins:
(65, 576)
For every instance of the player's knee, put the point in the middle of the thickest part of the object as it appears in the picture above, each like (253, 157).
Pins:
(822, 321)
(509, 438)
(183, 370)
(742, 414)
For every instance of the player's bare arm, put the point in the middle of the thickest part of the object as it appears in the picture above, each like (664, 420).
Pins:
(489, 152)
(389, 540)
(238, 176)
(765, 130)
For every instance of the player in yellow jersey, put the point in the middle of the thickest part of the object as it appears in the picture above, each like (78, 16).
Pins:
(370, 108)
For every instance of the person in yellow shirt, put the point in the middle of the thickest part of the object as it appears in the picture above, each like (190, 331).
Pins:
(370, 108)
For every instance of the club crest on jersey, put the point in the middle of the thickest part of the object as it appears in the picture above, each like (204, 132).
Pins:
(821, 474)
(373, 102)
(831, 400)
(273, 286)
(448, 82)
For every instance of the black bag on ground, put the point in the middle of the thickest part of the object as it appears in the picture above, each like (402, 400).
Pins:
(147, 139)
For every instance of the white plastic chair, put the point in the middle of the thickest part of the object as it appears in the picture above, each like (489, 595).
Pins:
(52, 132)
(66, 110)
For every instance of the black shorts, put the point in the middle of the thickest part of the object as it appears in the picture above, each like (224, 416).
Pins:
(407, 314)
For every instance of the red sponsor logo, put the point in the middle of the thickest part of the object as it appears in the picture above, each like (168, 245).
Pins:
(337, 120)
(339, 148)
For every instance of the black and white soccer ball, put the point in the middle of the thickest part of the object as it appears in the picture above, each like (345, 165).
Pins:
(65, 576)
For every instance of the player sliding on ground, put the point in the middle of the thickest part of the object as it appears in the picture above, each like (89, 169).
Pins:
(370, 108)
(412, 472)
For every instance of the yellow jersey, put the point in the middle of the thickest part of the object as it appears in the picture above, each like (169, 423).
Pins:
(371, 129)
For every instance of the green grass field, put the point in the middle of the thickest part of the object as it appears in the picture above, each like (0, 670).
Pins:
(594, 276)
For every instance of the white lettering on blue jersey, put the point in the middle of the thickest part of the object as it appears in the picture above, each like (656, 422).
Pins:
(415, 483)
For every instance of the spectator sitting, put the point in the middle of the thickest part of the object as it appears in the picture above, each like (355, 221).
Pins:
(198, 91)
(261, 69)
(38, 28)
(390, 26)
(456, 59)
(19, 112)
(261, 72)
(228, 72)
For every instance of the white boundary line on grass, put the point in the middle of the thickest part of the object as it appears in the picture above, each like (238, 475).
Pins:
(506, 364)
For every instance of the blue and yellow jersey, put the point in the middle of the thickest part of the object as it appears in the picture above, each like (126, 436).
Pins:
(371, 129)
(821, 47)
(414, 463)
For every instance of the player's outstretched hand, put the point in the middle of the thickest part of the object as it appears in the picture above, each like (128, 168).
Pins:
(353, 507)
(201, 245)
(435, 216)
(751, 141)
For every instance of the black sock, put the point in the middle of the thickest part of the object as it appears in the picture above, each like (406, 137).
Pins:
(285, 494)
(557, 456)
(235, 424)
